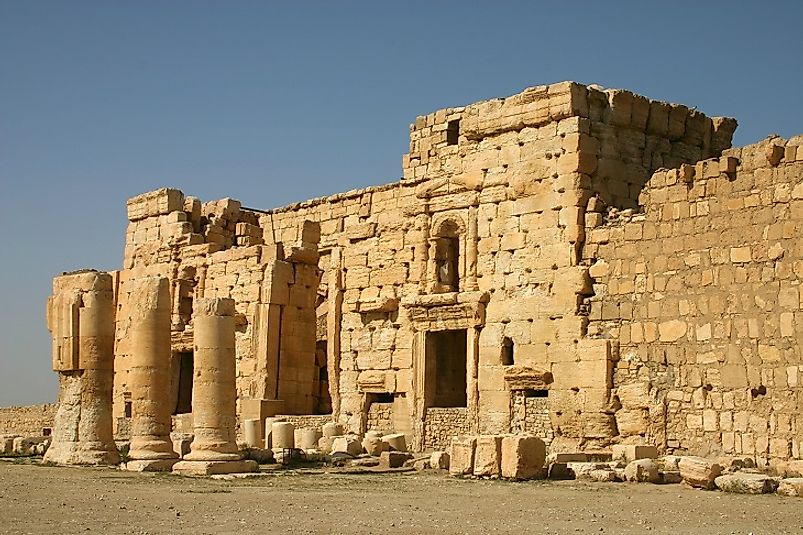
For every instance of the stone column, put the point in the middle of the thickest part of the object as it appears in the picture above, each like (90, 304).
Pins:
(471, 251)
(81, 320)
(214, 393)
(150, 306)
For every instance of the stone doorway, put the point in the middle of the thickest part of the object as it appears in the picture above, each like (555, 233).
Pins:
(445, 374)
(184, 365)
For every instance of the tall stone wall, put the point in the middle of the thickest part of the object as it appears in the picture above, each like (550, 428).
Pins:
(28, 420)
(701, 288)
(340, 299)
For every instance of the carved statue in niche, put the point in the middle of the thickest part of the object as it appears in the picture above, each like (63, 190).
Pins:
(447, 258)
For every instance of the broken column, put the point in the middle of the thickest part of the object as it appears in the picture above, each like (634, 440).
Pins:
(80, 317)
(214, 393)
(151, 447)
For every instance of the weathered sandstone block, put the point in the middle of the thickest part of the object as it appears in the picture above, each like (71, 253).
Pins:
(522, 457)
(699, 472)
(461, 456)
(488, 456)
(747, 483)
(642, 471)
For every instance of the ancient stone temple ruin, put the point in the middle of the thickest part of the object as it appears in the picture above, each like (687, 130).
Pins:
(588, 266)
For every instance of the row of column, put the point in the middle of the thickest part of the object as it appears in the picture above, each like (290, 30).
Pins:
(214, 448)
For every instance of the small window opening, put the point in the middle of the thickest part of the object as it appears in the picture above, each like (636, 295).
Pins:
(760, 391)
(453, 132)
(47, 431)
(381, 397)
(127, 408)
(507, 352)
(532, 393)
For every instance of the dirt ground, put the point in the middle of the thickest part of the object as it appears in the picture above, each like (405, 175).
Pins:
(42, 499)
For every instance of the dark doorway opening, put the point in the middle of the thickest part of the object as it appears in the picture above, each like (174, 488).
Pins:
(445, 375)
(185, 370)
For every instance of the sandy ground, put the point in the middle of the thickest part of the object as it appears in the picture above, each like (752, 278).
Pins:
(41, 499)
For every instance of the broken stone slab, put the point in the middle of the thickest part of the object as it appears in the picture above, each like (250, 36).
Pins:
(669, 477)
(207, 468)
(642, 471)
(792, 486)
(634, 452)
(461, 456)
(439, 460)
(395, 441)
(699, 472)
(747, 483)
(488, 456)
(350, 444)
(421, 464)
(393, 459)
(150, 465)
(522, 457)
(332, 429)
(374, 445)
(581, 470)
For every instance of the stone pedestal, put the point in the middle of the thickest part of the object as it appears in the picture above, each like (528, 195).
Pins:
(214, 394)
(81, 320)
(151, 447)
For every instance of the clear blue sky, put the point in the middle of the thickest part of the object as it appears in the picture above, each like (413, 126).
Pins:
(274, 102)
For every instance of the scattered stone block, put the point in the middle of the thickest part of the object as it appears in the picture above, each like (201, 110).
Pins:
(792, 486)
(349, 444)
(393, 459)
(395, 441)
(699, 472)
(488, 456)
(747, 483)
(634, 452)
(642, 471)
(332, 429)
(602, 475)
(374, 445)
(461, 456)
(522, 457)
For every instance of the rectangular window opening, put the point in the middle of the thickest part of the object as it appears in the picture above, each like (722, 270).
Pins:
(507, 352)
(453, 132)
(184, 398)
(532, 393)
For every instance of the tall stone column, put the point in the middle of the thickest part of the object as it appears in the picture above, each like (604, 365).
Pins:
(81, 320)
(151, 448)
(214, 393)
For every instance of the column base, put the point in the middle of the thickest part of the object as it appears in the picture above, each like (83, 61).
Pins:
(150, 465)
(208, 468)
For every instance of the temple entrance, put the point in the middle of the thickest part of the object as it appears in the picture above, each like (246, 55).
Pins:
(184, 362)
(445, 375)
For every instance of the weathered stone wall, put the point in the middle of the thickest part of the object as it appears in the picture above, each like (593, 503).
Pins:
(485, 234)
(442, 424)
(28, 420)
(702, 291)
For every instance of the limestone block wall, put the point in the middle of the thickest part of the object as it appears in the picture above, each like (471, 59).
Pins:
(701, 288)
(27, 420)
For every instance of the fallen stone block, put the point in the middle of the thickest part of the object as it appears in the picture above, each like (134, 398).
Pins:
(374, 445)
(260, 455)
(792, 486)
(350, 444)
(575, 457)
(747, 483)
(7, 445)
(581, 470)
(393, 459)
(332, 429)
(522, 456)
(699, 472)
(488, 456)
(395, 441)
(642, 471)
(325, 444)
(632, 452)
(669, 477)
(461, 456)
(439, 460)
(421, 465)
